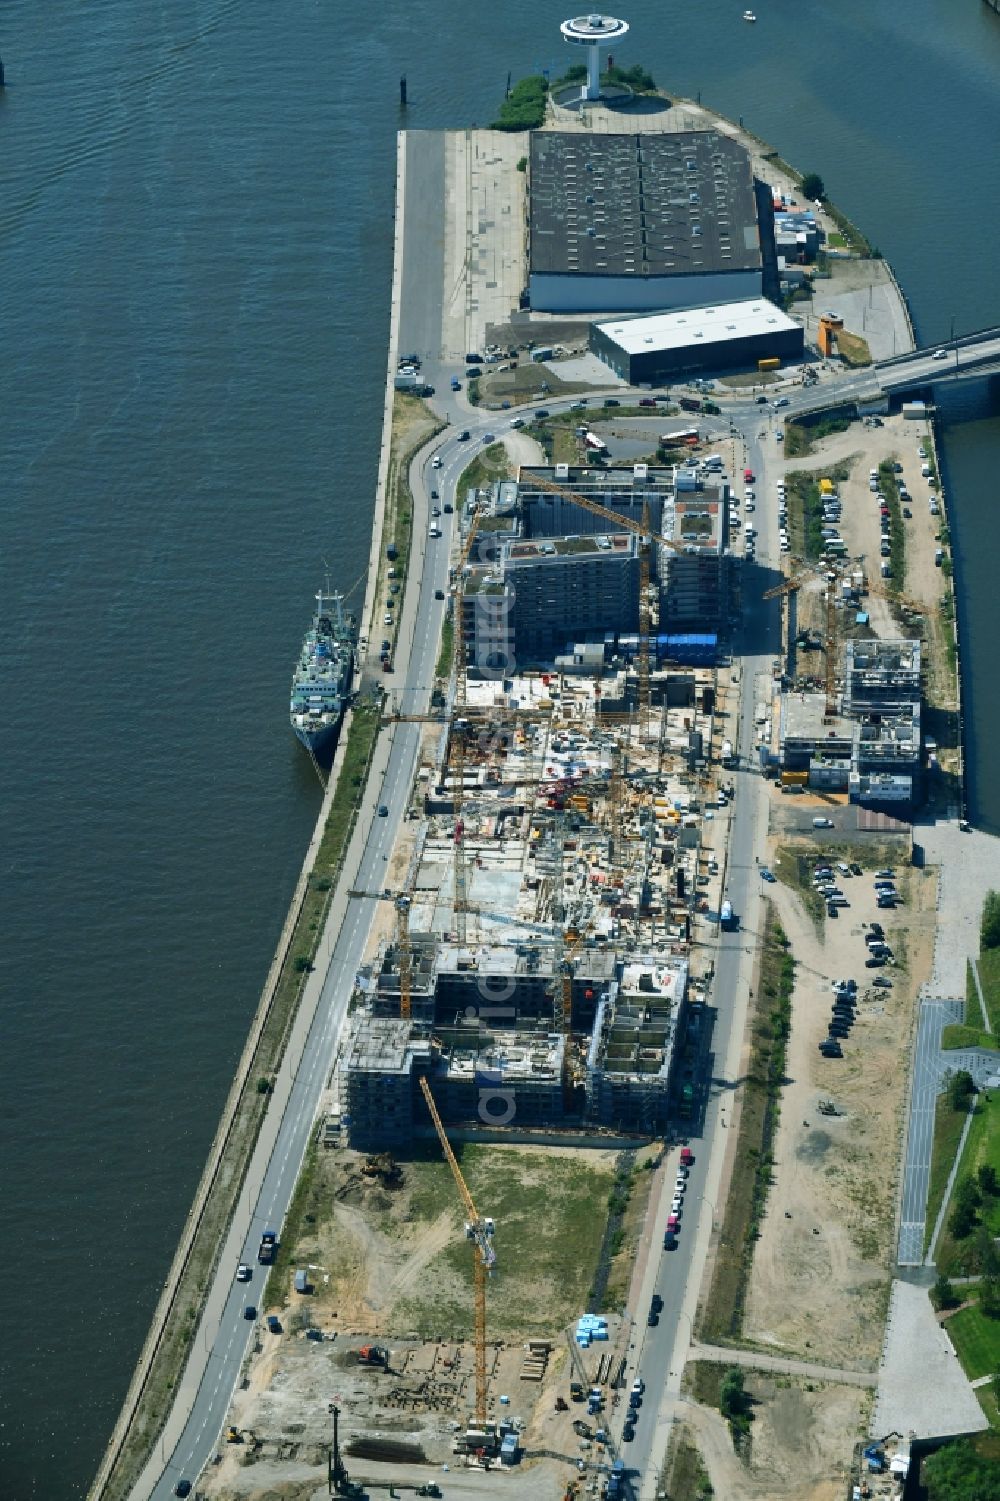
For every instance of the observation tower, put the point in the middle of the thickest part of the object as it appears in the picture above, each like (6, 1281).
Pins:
(593, 32)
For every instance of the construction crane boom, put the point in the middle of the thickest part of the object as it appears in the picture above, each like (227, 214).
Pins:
(480, 1232)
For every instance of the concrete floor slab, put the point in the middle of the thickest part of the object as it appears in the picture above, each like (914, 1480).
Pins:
(922, 1388)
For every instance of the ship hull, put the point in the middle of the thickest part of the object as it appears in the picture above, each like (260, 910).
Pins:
(322, 742)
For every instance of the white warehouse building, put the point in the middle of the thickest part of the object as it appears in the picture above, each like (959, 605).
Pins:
(665, 345)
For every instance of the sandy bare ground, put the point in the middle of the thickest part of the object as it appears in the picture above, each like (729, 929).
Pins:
(800, 1446)
(820, 1275)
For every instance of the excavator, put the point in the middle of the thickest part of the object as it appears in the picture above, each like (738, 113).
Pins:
(384, 1167)
(374, 1355)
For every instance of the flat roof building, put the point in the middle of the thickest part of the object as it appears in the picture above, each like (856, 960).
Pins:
(633, 222)
(722, 336)
(694, 583)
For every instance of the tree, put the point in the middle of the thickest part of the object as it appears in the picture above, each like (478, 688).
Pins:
(989, 1183)
(732, 1393)
(812, 186)
(958, 1472)
(961, 1088)
(966, 1201)
(989, 927)
(942, 1293)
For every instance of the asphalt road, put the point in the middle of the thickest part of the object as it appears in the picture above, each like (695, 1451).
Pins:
(659, 1353)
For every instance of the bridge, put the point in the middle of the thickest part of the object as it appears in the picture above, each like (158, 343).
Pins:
(973, 357)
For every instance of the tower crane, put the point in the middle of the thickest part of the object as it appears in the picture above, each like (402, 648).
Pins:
(479, 1231)
(458, 739)
(828, 578)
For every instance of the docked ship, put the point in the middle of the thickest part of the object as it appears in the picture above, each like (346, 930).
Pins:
(321, 680)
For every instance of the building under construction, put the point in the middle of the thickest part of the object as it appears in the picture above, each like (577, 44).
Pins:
(538, 976)
(492, 1064)
(554, 569)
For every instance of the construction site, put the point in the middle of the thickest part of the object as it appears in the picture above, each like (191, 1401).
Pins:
(539, 990)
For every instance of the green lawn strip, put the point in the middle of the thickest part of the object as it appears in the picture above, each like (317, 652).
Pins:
(542, 1204)
(971, 1033)
(956, 1258)
(172, 1349)
(989, 976)
(721, 1317)
(795, 868)
(889, 486)
(446, 653)
(976, 1337)
(802, 436)
(853, 349)
(489, 466)
(805, 508)
(948, 1125)
(684, 1476)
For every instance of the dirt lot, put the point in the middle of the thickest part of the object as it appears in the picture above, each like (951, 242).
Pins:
(861, 449)
(820, 1275)
(798, 1448)
(388, 1262)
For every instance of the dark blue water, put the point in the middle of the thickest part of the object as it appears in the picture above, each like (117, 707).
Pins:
(195, 256)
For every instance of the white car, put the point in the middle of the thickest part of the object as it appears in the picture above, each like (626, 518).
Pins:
(779, 436)
(751, 506)
(940, 354)
(243, 1272)
(679, 1186)
(749, 495)
(921, 452)
(436, 461)
(677, 1204)
(435, 531)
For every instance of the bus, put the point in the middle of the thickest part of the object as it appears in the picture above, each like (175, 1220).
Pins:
(595, 444)
(683, 435)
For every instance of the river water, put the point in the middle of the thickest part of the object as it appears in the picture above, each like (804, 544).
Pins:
(195, 259)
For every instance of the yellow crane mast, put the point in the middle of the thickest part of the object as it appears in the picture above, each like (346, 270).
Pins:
(458, 735)
(479, 1231)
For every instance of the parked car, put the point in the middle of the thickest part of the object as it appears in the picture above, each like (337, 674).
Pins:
(875, 962)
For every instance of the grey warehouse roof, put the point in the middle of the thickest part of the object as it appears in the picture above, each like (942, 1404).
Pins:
(642, 205)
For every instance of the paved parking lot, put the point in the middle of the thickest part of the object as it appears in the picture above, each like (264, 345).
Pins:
(929, 1065)
(922, 1389)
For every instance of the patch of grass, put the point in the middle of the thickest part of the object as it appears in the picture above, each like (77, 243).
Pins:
(889, 486)
(948, 1124)
(685, 1477)
(628, 1205)
(542, 1204)
(805, 509)
(957, 1258)
(722, 1314)
(853, 349)
(989, 978)
(795, 868)
(976, 1338)
(972, 1032)
(447, 649)
(801, 437)
(836, 240)
(486, 468)
(524, 107)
